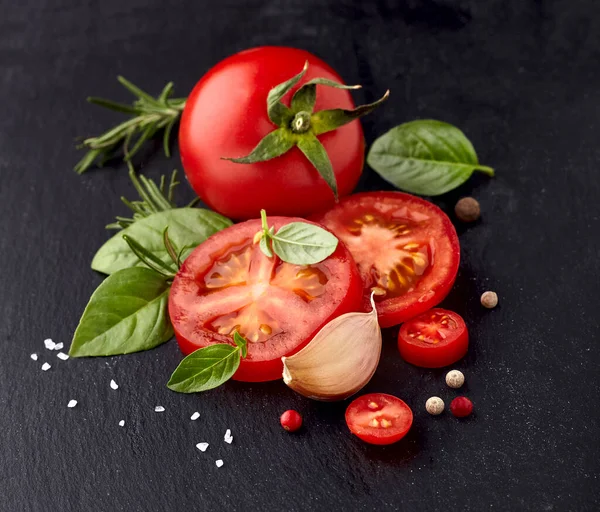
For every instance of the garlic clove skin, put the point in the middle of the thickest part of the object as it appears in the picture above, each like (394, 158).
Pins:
(339, 361)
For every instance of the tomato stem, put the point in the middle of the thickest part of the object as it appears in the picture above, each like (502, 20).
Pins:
(301, 122)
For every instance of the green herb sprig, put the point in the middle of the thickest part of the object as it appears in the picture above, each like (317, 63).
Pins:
(209, 367)
(299, 243)
(149, 115)
(153, 198)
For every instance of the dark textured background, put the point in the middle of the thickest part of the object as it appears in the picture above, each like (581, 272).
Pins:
(520, 77)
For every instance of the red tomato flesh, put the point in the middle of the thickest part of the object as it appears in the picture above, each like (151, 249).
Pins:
(378, 418)
(434, 339)
(226, 116)
(228, 284)
(406, 249)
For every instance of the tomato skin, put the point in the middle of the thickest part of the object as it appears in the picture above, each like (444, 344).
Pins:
(359, 414)
(438, 279)
(428, 355)
(263, 362)
(226, 116)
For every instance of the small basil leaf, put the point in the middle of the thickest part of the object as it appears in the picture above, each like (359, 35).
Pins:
(127, 313)
(425, 157)
(206, 368)
(303, 244)
(241, 342)
(187, 227)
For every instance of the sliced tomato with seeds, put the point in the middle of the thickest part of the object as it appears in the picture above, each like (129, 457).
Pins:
(228, 284)
(406, 249)
(434, 339)
(378, 418)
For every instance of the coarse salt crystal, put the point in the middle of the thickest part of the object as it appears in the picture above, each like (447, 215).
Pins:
(49, 344)
(114, 385)
(122, 423)
(63, 356)
(159, 408)
(228, 437)
(46, 367)
(59, 346)
(34, 357)
(202, 446)
(219, 463)
(195, 416)
(72, 403)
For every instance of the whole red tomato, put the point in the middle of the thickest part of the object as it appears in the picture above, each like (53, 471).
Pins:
(226, 116)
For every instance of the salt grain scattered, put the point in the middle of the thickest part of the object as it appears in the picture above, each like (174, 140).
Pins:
(195, 416)
(46, 367)
(122, 423)
(49, 344)
(114, 385)
(63, 356)
(59, 346)
(159, 408)
(202, 446)
(228, 437)
(219, 463)
(34, 357)
(72, 403)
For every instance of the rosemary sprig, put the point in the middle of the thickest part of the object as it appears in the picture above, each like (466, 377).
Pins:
(149, 116)
(153, 198)
(154, 262)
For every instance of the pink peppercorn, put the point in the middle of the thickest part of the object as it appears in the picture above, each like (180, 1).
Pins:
(461, 407)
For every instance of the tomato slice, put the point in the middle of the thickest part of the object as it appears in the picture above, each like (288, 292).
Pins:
(378, 418)
(228, 284)
(406, 249)
(433, 339)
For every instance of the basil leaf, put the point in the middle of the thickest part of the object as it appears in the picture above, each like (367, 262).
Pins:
(303, 244)
(187, 227)
(127, 313)
(206, 368)
(425, 157)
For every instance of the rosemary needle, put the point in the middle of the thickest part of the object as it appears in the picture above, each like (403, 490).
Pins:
(153, 198)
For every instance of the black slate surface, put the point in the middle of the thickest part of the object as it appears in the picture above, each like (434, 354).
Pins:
(520, 77)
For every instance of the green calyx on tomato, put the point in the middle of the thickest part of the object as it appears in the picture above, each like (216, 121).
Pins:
(299, 126)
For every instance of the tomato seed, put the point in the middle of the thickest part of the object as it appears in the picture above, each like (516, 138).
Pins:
(373, 406)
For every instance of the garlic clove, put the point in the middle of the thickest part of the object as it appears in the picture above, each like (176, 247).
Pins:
(340, 359)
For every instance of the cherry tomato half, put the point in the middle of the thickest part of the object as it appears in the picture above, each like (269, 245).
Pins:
(378, 418)
(406, 249)
(228, 284)
(226, 116)
(433, 339)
